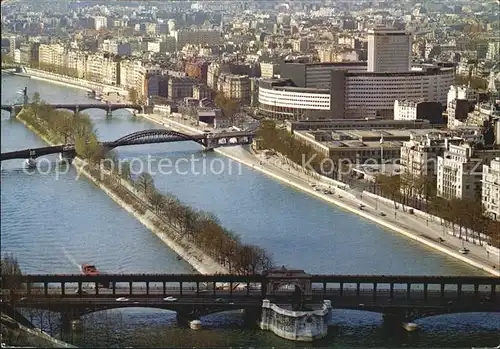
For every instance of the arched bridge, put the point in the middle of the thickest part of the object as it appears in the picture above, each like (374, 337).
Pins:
(107, 107)
(209, 141)
(76, 108)
(409, 297)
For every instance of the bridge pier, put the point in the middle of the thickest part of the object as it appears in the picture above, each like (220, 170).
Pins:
(109, 113)
(71, 321)
(189, 317)
(398, 321)
(251, 317)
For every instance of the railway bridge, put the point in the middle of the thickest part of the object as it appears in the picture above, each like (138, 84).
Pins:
(285, 296)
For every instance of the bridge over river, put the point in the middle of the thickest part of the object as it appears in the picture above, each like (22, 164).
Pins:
(208, 140)
(191, 296)
(14, 109)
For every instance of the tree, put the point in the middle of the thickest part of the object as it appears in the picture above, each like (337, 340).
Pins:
(133, 95)
(36, 98)
(89, 148)
(125, 171)
(157, 202)
(10, 271)
(145, 183)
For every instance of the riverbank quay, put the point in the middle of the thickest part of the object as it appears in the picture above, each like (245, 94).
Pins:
(141, 211)
(411, 226)
(83, 84)
(16, 335)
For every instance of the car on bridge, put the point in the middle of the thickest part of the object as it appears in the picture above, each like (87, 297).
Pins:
(170, 299)
(122, 299)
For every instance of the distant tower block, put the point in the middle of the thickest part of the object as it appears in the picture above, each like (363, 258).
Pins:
(389, 50)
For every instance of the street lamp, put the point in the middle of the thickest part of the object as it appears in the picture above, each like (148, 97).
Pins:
(382, 150)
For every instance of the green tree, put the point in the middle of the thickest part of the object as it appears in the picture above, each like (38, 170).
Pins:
(36, 98)
(133, 96)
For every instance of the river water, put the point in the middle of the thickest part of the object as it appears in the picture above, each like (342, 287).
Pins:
(53, 222)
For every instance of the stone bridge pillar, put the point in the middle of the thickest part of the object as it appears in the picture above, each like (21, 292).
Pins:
(67, 155)
(109, 112)
(77, 110)
(71, 320)
(209, 142)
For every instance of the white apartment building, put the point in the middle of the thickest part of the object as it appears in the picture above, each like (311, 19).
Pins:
(405, 110)
(419, 154)
(491, 188)
(268, 70)
(493, 52)
(110, 70)
(94, 71)
(458, 173)
(77, 63)
(52, 54)
(235, 86)
(389, 50)
(100, 22)
(12, 45)
(461, 92)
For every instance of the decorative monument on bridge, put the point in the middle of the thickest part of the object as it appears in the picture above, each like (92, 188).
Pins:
(302, 321)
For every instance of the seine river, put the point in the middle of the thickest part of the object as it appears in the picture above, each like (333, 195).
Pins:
(53, 223)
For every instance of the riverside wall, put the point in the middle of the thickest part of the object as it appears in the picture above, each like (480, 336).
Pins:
(350, 208)
(70, 81)
(16, 334)
(190, 253)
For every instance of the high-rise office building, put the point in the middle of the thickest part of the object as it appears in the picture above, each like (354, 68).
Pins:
(389, 50)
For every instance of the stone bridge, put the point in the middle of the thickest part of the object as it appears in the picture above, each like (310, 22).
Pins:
(76, 108)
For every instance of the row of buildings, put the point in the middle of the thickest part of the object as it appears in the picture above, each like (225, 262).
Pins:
(134, 73)
(356, 89)
(463, 163)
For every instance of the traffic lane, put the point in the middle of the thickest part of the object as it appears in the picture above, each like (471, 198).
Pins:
(188, 301)
(361, 303)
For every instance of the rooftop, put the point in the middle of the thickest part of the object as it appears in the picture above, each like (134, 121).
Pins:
(353, 138)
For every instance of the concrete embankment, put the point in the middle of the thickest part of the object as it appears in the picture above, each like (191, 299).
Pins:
(350, 207)
(190, 253)
(83, 84)
(20, 336)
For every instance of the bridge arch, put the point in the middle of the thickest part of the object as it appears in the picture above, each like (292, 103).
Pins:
(153, 136)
